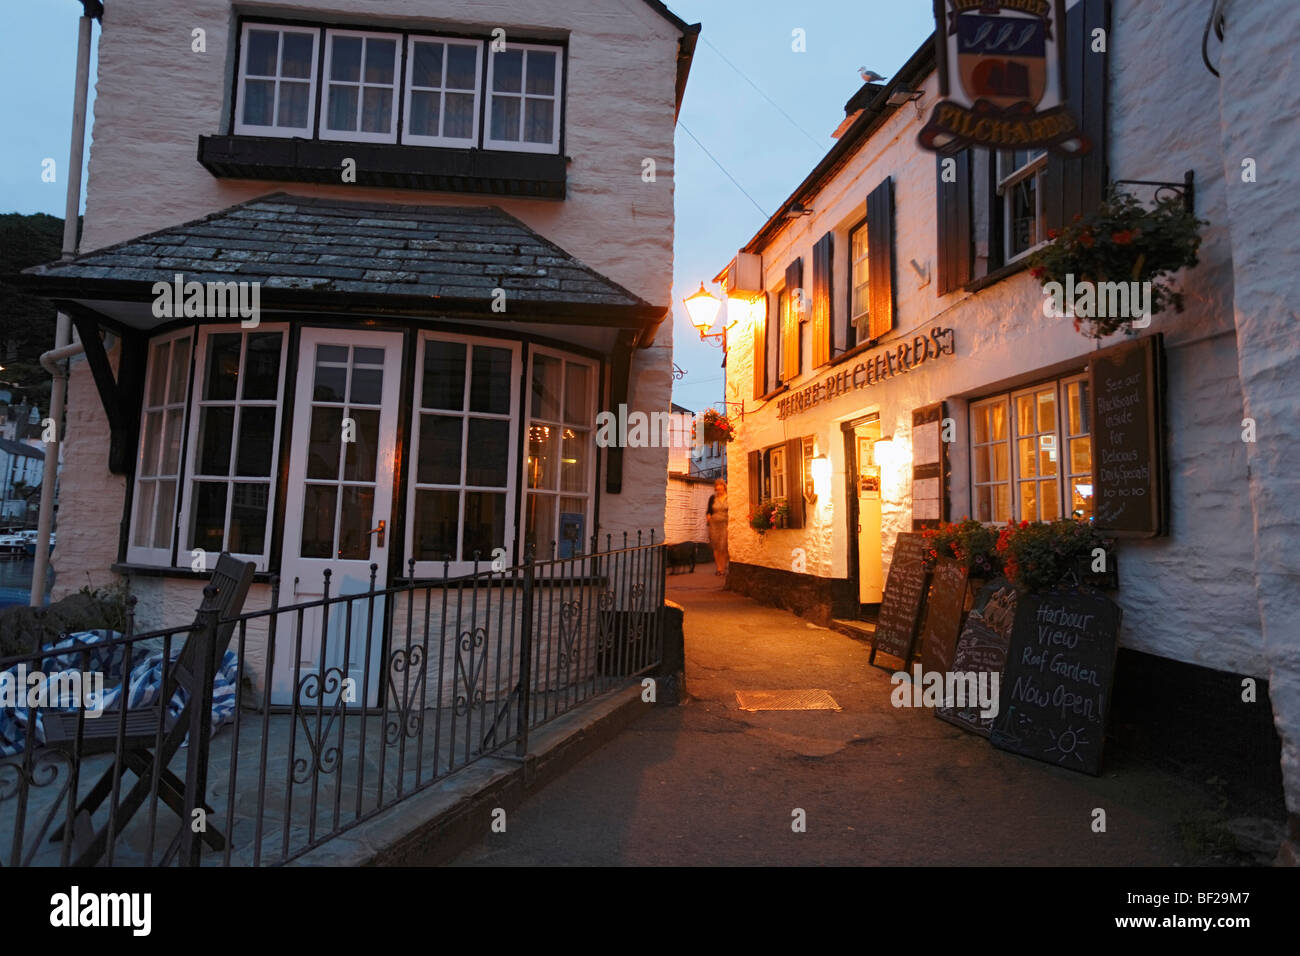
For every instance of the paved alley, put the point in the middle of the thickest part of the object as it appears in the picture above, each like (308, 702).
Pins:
(707, 783)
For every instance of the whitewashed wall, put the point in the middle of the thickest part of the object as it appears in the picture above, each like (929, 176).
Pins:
(155, 97)
(1189, 596)
(685, 516)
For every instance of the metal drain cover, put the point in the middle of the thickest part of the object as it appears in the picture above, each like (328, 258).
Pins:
(785, 700)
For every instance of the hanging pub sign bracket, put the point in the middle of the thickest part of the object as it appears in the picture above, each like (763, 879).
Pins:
(1164, 190)
(1001, 78)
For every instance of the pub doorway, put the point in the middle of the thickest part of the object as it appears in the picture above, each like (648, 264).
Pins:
(863, 513)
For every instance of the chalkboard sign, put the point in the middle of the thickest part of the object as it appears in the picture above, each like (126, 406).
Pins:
(982, 649)
(943, 610)
(1128, 480)
(1056, 689)
(900, 609)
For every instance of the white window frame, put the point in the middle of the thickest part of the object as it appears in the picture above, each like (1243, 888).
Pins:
(408, 89)
(521, 146)
(1040, 482)
(284, 132)
(859, 320)
(358, 135)
(1035, 169)
(148, 554)
(432, 568)
(1068, 474)
(1064, 473)
(777, 473)
(593, 386)
(191, 454)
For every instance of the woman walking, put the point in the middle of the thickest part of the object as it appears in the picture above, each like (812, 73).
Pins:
(717, 518)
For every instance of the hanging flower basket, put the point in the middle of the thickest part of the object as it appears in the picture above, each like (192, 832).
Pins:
(1113, 267)
(717, 428)
(769, 515)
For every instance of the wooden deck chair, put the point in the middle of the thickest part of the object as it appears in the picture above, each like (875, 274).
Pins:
(231, 580)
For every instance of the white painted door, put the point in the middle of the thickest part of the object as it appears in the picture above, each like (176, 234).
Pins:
(871, 579)
(338, 513)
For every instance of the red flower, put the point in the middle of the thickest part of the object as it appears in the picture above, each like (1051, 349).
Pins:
(1037, 272)
(1053, 233)
(1024, 524)
(1122, 238)
(1086, 240)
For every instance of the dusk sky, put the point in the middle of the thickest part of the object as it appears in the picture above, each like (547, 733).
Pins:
(767, 152)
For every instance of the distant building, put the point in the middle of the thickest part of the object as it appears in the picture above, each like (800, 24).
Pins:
(21, 467)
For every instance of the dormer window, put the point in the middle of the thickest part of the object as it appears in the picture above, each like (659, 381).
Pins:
(360, 86)
(525, 99)
(442, 77)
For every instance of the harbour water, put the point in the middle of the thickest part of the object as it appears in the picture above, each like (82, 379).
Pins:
(16, 581)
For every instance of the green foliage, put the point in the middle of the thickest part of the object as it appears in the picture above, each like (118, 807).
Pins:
(768, 515)
(1036, 555)
(969, 541)
(27, 323)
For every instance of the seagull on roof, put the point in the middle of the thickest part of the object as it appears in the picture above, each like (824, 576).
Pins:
(869, 76)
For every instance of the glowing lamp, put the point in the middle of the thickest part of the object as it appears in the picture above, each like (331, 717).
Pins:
(702, 307)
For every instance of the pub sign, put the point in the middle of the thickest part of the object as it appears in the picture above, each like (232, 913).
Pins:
(1001, 78)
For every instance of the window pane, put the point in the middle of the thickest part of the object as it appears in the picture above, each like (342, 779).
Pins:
(998, 420)
(1081, 456)
(216, 429)
(981, 457)
(1047, 499)
(377, 117)
(345, 59)
(459, 119)
(297, 59)
(984, 504)
(367, 386)
(1047, 411)
(354, 522)
(259, 102)
(539, 525)
(209, 516)
(489, 389)
(263, 50)
(539, 125)
(318, 521)
(444, 375)
(171, 450)
(293, 105)
(1029, 501)
(573, 527)
(342, 113)
(1081, 497)
(542, 457)
(1077, 393)
(362, 452)
(980, 425)
(573, 471)
(152, 437)
(546, 387)
(424, 113)
(165, 514)
(485, 524)
(380, 56)
(180, 370)
(462, 67)
(508, 71)
(324, 444)
(262, 366)
(1025, 415)
(488, 454)
(541, 72)
(1001, 461)
(223, 366)
(1024, 214)
(248, 518)
(440, 447)
(436, 517)
(362, 356)
(1047, 455)
(1025, 458)
(577, 408)
(144, 514)
(1002, 503)
(158, 374)
(505, 118)
(330, 383)
(426, 65)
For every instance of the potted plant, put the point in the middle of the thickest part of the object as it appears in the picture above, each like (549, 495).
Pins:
(1037, 555)
(768, 515)
(1122, 242)
(717, 428)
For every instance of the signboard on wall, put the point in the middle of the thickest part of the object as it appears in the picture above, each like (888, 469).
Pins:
(1125, 388)
(929, 468)
(1001, 77)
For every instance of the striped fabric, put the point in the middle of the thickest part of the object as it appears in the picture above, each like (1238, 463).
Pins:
(143, 687)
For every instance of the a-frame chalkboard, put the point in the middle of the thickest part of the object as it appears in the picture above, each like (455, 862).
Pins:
(903, 601)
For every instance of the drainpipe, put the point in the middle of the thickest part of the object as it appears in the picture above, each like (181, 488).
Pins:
(63, 345)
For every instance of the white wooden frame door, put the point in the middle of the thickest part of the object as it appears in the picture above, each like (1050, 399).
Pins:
(338, 515)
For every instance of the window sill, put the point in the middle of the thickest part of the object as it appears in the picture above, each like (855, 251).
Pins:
(534, 175)
(157, 571)
(780, 389)
(997, 275)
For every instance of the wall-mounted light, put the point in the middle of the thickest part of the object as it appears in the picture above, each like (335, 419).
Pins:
(819, 470)
(702, 308)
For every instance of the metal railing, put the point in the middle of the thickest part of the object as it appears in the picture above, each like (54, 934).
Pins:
(326, 712)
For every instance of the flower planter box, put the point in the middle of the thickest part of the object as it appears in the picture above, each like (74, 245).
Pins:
(713, 433)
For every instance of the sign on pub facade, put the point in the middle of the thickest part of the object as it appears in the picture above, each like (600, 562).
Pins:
(1010, 413)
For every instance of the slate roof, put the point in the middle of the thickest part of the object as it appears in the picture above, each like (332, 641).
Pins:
(326, 245)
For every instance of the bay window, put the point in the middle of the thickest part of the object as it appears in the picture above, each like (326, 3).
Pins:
(524, 99)
(158, 467)
(277, 81)
(442, 77)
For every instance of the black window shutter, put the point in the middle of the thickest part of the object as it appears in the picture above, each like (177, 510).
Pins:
(791, 328)
(823, 301)
(1075, 186)
(880, 257)
(760, 351)
(755, 479)
(953, 216)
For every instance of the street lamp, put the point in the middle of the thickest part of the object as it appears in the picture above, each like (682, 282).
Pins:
(702, 307)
